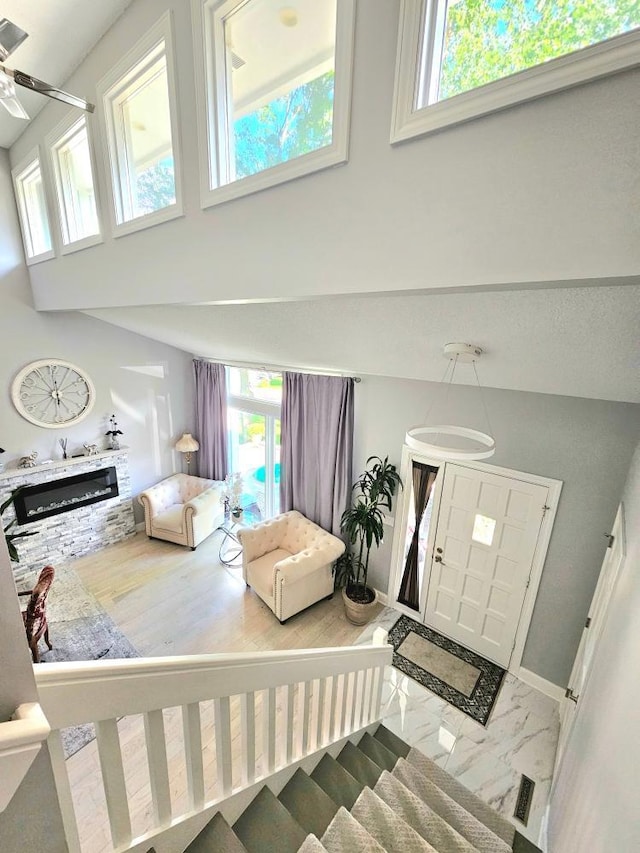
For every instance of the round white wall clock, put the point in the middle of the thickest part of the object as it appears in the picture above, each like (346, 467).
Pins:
(52, 393)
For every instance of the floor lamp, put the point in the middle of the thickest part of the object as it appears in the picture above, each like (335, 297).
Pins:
(187, 445)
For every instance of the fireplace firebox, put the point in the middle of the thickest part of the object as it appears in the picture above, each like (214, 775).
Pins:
(52, 498)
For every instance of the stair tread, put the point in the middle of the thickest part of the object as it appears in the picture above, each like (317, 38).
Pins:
(308, 803)
(377, 752)
(417, 814)
(216, 837)
(389, 830)
(344, 833)
(266, 826)
(312, 845)
(336, 782)
(523, 845)
(392, 741)
(466, 798)
(361, 767)
(467, 824)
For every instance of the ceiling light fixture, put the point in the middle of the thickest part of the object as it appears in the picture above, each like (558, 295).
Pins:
(446, 441)
(288, 16)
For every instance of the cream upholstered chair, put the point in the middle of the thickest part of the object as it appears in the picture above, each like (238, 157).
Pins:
(183, 509)
(287, 560)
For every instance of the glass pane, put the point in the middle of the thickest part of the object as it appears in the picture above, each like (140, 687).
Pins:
(483, 529)
(148, 151)
(36, 224)
(77, 201)
(490, 39)
(280, 62)
(247, 433)
(276, 467)
(423, 534)
(255, 384)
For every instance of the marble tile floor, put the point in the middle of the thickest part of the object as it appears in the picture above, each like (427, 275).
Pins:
(519, 738)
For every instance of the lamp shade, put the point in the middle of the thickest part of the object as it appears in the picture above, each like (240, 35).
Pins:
(187, 444)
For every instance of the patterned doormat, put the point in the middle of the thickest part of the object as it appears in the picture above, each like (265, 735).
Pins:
(459, 676)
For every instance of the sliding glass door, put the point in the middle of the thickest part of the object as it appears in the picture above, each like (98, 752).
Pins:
(254, 399)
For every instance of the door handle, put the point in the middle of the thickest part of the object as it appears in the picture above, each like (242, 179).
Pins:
(439, 559)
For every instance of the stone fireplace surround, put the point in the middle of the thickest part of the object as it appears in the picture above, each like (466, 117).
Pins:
(60, 538)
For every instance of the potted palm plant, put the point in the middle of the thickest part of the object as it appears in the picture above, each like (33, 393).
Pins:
(363, 526)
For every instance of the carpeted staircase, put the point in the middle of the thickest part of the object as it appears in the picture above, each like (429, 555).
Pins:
(380, 795)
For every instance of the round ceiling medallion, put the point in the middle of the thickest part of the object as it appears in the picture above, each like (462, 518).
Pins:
(52, 393)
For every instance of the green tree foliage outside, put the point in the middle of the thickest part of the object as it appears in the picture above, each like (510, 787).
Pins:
(287, 127)
(486, 40)
(156, 187)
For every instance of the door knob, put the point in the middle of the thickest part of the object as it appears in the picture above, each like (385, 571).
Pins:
(438, 559)
(439, 550)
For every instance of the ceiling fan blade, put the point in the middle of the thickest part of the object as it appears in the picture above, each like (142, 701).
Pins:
(14, 107)
(11, 37)
(35, 85)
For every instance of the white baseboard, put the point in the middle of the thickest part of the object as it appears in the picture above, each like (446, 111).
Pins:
(540, 683)
(382, 597)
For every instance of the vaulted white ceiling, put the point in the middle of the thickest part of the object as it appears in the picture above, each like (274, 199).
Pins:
(61, 34)
(578, 342)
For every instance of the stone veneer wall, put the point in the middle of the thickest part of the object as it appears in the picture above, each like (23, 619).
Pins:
(71, 534)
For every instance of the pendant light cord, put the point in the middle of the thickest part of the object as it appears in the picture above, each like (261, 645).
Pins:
(484, 405)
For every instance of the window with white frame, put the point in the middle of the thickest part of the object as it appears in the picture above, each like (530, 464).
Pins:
(461, 58)
(278, 90)
(32, 209)
(140, 115)
(73, 173)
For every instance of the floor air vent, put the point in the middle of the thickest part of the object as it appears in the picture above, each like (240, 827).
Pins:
(523, 803)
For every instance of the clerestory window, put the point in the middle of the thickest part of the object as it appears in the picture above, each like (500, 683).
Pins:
(32, 209)
(277, 85)
(462, 58)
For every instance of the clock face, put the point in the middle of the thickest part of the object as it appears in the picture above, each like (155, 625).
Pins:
(53, 393)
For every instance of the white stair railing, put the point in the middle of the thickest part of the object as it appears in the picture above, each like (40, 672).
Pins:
(269, 710)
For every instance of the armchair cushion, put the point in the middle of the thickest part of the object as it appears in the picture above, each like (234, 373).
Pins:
(288, 561)
(183, 509)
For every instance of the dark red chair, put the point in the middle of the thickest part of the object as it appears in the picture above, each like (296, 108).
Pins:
(35, 616)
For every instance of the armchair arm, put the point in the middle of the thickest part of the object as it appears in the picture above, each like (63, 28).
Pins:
(301, 565)
(261, 538)
(152, 498)
(205, 501)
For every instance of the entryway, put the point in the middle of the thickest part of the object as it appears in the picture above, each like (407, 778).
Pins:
(478, 554)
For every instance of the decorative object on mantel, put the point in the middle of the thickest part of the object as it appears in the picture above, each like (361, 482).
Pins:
(113, 433)
(363, 524)
(90, 449)
(11, 537)
(52, 393)
(1, 460)
(187, 445)
(231, 495)
(28, 461)
(446, 441)
(63, 444)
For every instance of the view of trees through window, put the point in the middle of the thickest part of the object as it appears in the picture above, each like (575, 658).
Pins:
(287, 127)
(156, 186)
(486, 40)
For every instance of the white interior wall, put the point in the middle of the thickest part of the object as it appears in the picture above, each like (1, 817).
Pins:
(595, 802)
(585, 443)
(145, 383)
(542, 192)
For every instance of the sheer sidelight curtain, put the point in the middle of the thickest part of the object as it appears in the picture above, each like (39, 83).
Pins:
(317, 447)
(424, 477)
(211, 419)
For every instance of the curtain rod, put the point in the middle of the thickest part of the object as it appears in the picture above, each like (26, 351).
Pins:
(276, 368)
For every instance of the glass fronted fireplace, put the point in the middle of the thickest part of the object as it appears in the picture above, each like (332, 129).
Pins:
(52, 498)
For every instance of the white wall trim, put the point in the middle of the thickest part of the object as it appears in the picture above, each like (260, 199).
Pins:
(539, 683)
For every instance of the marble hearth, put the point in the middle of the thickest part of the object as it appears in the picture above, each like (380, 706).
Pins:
(76, 532)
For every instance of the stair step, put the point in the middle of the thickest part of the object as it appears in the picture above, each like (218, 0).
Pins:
(476, 832)
(392, 741)
(377, 752)
(337, 782)
(468, 800)
(216, 837)
(312, 845)
(308, 803)
(359, 765)
(267, 827)
(345, 835)
(523, 845)
(418, 815)
(388, 829)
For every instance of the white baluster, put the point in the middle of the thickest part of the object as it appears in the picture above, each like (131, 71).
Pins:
(248, 736)
(291, 695)
(223, 743)
(192, 728)
(322, 690)
(113, 781)
(331, 727)
(347, 680)
(54, 742)
(305, 716)
(158, 766)
(269, 729)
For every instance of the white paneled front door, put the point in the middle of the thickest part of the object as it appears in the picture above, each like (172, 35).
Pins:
(486, 535)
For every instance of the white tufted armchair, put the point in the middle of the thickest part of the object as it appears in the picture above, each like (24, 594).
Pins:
(287, 560)
(183, 509)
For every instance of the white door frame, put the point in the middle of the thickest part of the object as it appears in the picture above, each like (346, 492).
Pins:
(542, 545)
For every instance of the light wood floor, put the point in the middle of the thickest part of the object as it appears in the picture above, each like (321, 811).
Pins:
(169, 600)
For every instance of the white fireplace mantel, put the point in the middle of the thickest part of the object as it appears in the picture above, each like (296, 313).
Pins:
(50, 465)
